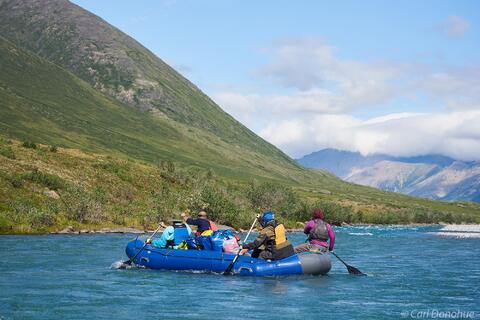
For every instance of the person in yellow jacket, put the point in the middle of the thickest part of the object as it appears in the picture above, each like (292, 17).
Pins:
(271, 243)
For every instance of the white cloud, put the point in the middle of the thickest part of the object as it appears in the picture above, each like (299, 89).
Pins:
(318, 81)
(455, 27)
(456, 88)
(311, 66)
(323, 89)
(456, 134)
(392, 116)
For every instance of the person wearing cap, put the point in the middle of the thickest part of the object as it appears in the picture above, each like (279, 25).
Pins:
(202, 223)
(271, 243)
(320, 234)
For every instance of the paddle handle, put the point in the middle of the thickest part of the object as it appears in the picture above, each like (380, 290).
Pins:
(145, 244)
(250, 231)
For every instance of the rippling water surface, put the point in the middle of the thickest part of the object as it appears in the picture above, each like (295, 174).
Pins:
(411, 269)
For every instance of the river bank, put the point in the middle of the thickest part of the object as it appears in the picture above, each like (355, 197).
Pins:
(447, 229)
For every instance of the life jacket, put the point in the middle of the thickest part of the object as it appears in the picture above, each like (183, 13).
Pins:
(280, 237)
(206, 233)
(282, 247)
(180, 234)
(319, 231)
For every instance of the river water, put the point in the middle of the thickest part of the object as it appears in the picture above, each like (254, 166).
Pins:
(413, 272)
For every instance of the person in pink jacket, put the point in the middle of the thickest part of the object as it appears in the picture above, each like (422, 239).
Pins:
(320, 234)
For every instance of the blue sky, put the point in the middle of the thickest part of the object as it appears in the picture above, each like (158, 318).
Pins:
(368, 76)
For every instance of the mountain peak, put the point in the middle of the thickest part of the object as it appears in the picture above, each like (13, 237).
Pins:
(118, 66)
(85, 44)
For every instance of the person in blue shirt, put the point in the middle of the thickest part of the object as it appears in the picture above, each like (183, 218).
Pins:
(167, 239)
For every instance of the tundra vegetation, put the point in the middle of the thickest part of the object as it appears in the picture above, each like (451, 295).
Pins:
(44, 189)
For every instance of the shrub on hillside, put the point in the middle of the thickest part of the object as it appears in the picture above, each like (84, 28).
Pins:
(5, 225)
(15, 180)
(5, 141)
(40, 218)
(7, 152)
(29, 145)
(29, 214)
(53, 149)
(167, 165)
(125, 192)
(302, 214)
(121, 169)
(82, 207)
(48, 180)
(271, 196)
(335, 213)
(164, 203)
(219, 206)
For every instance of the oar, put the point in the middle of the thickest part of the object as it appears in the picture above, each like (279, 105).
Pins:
(351, 269)
(228, 271)
(127, 263)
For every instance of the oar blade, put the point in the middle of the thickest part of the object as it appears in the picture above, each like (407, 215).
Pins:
(229, 270)
(355, 271)
(228, 273)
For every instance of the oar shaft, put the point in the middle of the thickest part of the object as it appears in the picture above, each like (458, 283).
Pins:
(244, 241)
(250, 231)
(230, 266)
(351, 269)
(145, 244)
(338, 258)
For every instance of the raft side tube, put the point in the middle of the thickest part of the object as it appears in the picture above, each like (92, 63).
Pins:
(315, 263)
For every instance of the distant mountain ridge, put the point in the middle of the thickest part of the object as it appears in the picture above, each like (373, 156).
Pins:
(428, 176)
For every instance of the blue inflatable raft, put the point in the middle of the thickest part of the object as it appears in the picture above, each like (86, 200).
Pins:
(218, 261)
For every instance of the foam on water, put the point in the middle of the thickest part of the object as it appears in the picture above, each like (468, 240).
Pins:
(461, 231)
(118, 265)
(462, 227)
(460, 235)
(361, 233)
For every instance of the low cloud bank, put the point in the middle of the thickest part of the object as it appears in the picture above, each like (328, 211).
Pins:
(322, 90)
(455, 134)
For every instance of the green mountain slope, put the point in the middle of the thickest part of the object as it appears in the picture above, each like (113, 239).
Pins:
(117, 65)
(45, 103)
